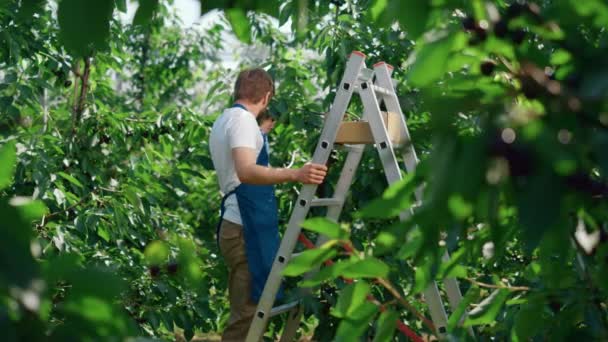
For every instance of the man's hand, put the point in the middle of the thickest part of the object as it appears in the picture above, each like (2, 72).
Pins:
(311, 173)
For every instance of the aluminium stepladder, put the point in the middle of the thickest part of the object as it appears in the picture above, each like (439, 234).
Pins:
(374, 86)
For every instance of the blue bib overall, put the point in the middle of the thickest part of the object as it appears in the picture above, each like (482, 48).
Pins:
(259, 215)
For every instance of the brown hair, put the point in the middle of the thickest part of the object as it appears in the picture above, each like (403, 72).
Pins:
(265, 115)
(252, 85)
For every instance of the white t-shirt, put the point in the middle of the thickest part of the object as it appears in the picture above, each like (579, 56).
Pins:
(235, 127)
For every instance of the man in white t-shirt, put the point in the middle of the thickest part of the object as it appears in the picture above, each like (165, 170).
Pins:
(248, 229)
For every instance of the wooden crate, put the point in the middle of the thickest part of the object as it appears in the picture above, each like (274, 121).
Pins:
(359, 132)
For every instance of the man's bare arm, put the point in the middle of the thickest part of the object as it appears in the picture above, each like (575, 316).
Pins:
(249, 172)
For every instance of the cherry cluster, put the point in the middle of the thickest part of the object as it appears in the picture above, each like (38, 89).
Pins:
(171, 268)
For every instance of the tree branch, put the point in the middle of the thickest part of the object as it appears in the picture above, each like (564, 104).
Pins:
(493, 286)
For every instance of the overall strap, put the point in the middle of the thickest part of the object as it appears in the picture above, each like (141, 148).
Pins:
(238, 105)
(222, 210)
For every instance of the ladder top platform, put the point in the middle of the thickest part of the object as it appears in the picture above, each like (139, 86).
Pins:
(360, 132)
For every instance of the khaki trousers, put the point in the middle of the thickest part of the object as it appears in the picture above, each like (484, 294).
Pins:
(242, 308)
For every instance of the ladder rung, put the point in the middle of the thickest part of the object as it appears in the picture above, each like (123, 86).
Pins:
(326, 202)
(277, 310)
(382, 91)
(365, 75)
(378, 89)
(353, 148)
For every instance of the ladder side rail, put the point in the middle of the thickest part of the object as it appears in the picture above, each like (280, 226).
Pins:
(379, 133)
(349, 170)
(383, 78)
(322, 151)
(393, 174)
(451, 287)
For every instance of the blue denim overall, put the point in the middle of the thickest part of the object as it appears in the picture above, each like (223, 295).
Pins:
(259, 215)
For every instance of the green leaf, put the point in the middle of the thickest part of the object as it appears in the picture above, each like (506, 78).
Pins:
(240, 24)
(459, 207)
(539, 207)
(8, 159)
(369, 267)
(121, 5)
(30, 7)
(326, 273)
(326, 227)
(156, 252)
(412, 16)
(430, 62)
(145, 12)
(29, 209)
(103, 233)
(453, 268)
(351, 299)
(592, 8)
(376, 9)
(424, 273)
(411, 246)
(189, 261)
(560, 57)
(529, 319)
(386, 324)
(487, 310)
(308, 260)
(351, 328)
(84, 26)
(70, 179)
(396, 199)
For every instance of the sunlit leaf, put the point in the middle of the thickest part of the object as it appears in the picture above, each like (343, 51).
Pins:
(70, 179)
(326, 227)
(386, 324)
(351, 299)
(307, 260)
(240, 24)
(156, 252)
(7, 164)
(369, 267)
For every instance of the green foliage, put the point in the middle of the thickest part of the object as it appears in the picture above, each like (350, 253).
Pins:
(28, 287)
(84, 25)
(328, 228)
(8, 158)
(145, 11)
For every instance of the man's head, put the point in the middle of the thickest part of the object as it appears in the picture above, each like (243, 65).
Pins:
(254, 88)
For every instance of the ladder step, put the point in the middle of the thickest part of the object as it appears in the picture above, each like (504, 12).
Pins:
(326, 202)
(378, 90)
(353, 148)
(383, 91)
(365, 75)
(277, 310)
